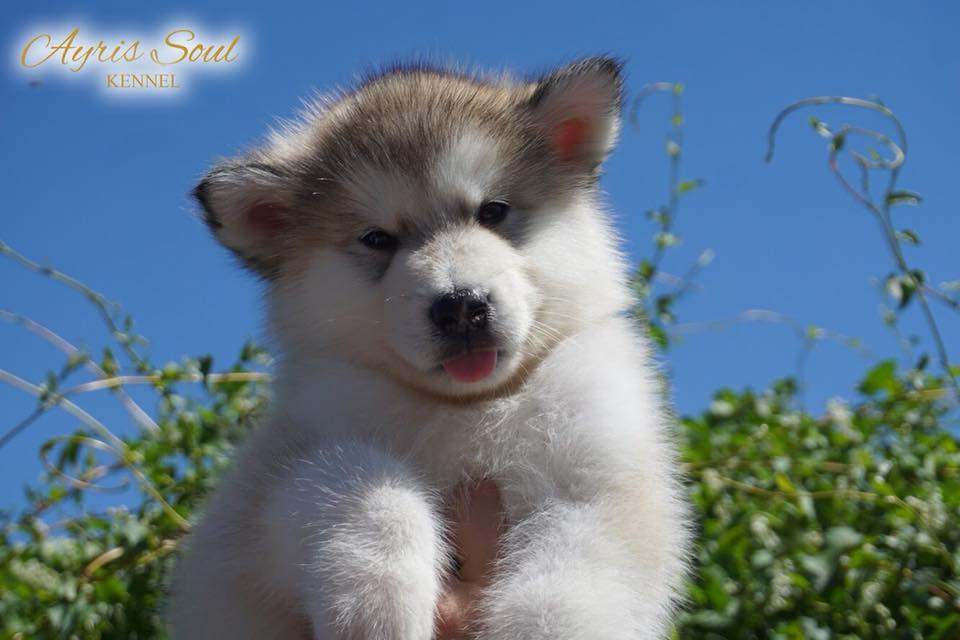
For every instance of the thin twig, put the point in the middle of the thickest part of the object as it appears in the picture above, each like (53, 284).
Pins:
(104, 307)
(808, 337)
(18, 428)
(85, 481)
(96, 473)
(71, 351)
(941, 297)
(823, 100)
(211, 378)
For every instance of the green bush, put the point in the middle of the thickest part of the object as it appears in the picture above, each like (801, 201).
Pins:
(840, 525)
(836, 526)
(102, 575)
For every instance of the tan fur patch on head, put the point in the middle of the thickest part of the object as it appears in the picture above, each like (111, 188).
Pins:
(399, 126)
(375, 155)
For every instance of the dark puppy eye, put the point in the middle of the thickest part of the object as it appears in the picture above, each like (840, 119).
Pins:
(379, 240)
(492, 213)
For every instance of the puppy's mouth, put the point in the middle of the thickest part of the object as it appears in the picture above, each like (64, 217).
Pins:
(472, 366)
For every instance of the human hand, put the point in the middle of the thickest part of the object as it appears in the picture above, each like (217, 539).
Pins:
(475, 519)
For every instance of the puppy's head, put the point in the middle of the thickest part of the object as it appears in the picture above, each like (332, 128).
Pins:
(436, 227)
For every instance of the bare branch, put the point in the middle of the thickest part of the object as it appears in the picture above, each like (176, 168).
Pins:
(105, 307)
(71, 351)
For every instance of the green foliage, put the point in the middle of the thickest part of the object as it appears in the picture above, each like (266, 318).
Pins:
(842, 526)
(68, 571)
(836, 526)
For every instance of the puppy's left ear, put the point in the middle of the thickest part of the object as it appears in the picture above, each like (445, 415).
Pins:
(579, 108)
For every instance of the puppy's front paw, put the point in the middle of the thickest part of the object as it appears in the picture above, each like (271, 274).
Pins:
(379, 572)
(559, 605)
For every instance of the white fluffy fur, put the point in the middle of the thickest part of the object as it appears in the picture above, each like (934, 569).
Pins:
(328, 526)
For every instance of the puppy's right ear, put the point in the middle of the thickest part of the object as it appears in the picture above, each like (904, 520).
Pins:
(246, 208)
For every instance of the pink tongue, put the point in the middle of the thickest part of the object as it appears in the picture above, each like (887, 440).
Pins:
(473, 366)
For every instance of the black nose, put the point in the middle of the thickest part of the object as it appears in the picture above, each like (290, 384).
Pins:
(460, 312)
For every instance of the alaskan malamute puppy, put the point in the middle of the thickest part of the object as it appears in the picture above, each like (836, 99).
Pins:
(448, 302)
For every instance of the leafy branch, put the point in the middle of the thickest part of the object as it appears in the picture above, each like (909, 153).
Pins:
(657, 310)
(909, 282)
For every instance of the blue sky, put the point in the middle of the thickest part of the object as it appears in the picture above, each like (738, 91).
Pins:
(99, 187)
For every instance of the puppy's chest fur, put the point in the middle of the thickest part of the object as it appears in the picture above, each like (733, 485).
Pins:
(537, 443)
(515, 441)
